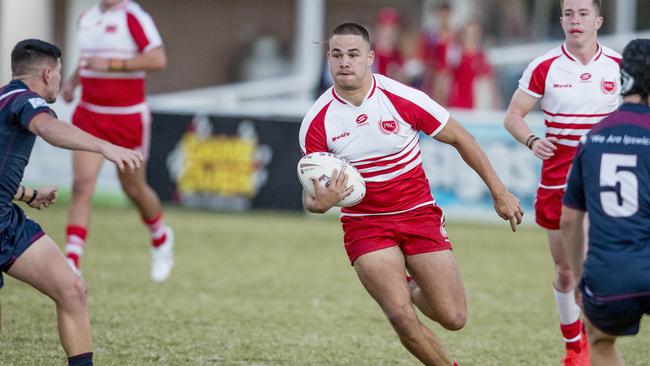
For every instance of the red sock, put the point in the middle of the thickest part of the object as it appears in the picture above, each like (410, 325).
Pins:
(572, 334)
(75, 241)
(157, 230)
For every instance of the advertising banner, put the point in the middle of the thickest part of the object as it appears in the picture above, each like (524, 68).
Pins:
(225, 163)
(461, 192)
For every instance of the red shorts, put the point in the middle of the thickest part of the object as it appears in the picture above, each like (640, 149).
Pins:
(416, 231)
(548, 207)
(132, 131)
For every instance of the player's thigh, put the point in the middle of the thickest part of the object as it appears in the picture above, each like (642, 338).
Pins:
(86, 166)
(44, 267)
(382, 274)
(437, 276)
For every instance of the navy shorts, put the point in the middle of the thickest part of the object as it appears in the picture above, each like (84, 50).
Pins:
(615, 315)
(16, 238)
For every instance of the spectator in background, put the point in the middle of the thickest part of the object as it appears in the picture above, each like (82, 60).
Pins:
(388, 57)
(436, 51)
(473, 66)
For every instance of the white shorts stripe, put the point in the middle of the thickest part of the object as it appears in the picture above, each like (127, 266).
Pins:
(552, 187)
(100, 109)
(392, 213)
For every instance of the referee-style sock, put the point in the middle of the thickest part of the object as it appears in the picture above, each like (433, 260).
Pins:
(75, 241)
(570, 323)
(84, 359)
(157, 230)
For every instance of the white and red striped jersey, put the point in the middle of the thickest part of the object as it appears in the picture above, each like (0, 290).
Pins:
(574, 97)
(121, 32)
(380, 138)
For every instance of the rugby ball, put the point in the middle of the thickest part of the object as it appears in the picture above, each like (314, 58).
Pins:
(320, 165)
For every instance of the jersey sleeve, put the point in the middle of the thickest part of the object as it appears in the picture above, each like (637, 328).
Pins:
(27, 106)
(574, 195)
(143, 30)
(313, 137)
(533, 80)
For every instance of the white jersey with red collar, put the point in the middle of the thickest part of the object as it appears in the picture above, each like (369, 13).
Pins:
(120, 32)
(380, 139)
(574, 97)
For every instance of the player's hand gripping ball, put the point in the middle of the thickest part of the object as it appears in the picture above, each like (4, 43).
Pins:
(320, 165)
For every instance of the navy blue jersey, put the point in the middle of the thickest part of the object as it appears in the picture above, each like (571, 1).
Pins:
(610, 179)
(18, 106)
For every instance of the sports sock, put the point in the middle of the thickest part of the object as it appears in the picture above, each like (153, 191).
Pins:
(157, 230)
(84, 359)
(570, 323)
(75, 241)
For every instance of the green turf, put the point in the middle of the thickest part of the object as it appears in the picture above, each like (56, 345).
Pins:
(276, 289)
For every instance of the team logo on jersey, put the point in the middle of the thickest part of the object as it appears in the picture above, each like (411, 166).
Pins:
(585, 77)
(111, 28)
(388, 127)
(37, 102)
(608, 87)
(362, 119)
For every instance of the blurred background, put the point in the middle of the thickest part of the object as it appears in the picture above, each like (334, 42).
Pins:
(241, 74)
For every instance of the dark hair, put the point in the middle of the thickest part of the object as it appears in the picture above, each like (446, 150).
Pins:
(30, 52)
(444, 6)
(351, 28)
(596, 3)
(635, 68)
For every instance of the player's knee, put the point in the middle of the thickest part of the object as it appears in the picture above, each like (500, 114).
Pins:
(82, 186)
(73, 294)
(455, 320)
(404, 321)
(133, 190)
(564, 281)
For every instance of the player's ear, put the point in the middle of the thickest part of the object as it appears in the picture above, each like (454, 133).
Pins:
(46, 74)
(599, 22)
(371, 57)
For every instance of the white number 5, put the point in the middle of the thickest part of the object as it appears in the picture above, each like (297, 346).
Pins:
(611, 176)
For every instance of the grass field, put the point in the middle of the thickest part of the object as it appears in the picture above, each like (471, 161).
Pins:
(276, 289)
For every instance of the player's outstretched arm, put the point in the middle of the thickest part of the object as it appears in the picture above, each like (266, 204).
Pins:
(505, 203)
(520, 105)
(65, 135)
(327, 197)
